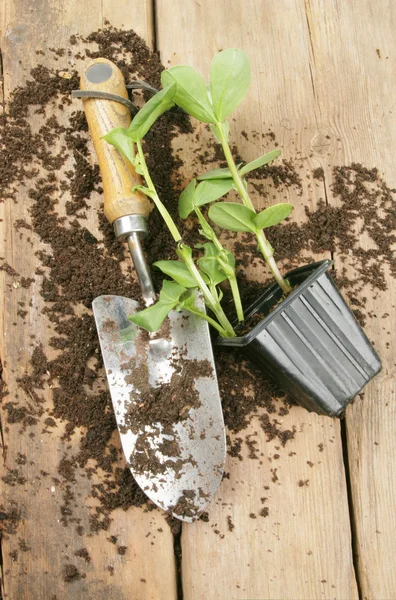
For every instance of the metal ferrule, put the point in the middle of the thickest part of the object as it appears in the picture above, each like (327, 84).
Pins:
(125, 226)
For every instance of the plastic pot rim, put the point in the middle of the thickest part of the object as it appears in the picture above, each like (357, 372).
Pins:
(321, 267)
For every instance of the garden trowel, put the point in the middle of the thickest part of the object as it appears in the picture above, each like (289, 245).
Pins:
(163, 386)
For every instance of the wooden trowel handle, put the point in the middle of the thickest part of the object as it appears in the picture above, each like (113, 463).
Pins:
(118, 175)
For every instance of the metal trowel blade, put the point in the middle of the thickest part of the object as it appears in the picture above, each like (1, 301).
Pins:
(178, 466)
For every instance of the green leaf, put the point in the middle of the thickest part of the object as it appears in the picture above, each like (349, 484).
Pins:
(223, 173)
(230, 258)
(210, 190)
(211, 268)
(119, 138)
(178, 271)
(139, 169)
(144, 190)
(205, 230)
(154, 108)
(171, 291)
(273, 215)
(205, 233)
(259, 162)
(188, 299)
(151, 318)
(235, 217)
(191, 93)
(209, 263)
(206, 191)
(186, 200)
(229, 81)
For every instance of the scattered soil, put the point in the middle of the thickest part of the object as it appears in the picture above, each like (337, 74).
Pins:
(318, 174)
(230, 523)
(83, 553)
(253, 392)
(75, 265)
(9, 518)
(71, 573)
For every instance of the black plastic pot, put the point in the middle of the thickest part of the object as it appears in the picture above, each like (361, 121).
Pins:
(310, 343)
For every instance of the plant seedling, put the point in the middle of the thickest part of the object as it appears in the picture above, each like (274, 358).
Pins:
(185, 87)
(217, 261)
(229, 83)
(186, 275)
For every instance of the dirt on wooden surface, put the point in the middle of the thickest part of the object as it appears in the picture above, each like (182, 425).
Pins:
(76, 265)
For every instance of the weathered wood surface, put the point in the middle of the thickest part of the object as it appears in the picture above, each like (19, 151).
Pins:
(316, 73)
(353, 66)
(303, 548)
(147, 570)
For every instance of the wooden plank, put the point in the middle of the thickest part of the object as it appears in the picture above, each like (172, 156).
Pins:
(147, 570)
(302, 549)
(353, 66)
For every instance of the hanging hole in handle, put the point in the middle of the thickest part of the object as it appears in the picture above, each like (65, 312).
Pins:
(99, 73)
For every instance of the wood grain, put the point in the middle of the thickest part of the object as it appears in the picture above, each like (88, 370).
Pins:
(320, 85)
(353, 66)
(147, 570)
(302, 549)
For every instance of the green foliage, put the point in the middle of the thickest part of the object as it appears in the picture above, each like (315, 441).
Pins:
(229, 81)
(225, 173)
(211, 261)
(210, 190)
(237, 217)
(234, 217)
(198, 195)
(154, 108)
(120, 139)
(220, 128)
(273, 215)
(186, 200)
(259, 162)
(151, 318)
(145, 190)
(222, 173)
(191, 93)
(178, 270)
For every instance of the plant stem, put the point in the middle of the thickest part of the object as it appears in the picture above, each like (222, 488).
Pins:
(185, 252)
(223, 262)
(207, 229)
(213, 291)
(265, 247)
(234, 171)
(267, 251)
(210, 301)
(211, 321)
(160, 206)
(237, 298)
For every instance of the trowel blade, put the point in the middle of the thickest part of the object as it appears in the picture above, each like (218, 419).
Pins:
(180, 465)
